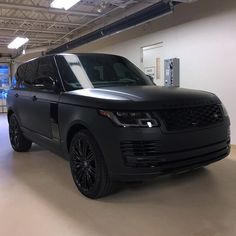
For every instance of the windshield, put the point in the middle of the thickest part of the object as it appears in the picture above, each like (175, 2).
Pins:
(99, 70)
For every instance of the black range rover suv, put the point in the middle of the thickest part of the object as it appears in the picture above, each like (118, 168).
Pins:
(111, 122)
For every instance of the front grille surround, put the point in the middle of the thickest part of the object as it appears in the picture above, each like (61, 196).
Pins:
(150, 153)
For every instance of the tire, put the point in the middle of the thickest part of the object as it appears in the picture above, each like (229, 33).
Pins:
(88, 167)
(18, 141)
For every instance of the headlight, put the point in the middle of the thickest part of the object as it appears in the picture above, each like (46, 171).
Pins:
(224, 110)
(131, 119)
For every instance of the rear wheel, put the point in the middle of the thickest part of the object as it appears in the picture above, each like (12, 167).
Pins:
(88, 167)
(18, 141)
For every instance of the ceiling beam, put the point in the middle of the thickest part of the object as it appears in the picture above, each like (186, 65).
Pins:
(45, 9)
(32, 30)
(38, 21)
(6, 43)
(31, 38)
(147, 14)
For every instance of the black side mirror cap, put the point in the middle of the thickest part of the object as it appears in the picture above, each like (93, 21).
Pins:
(151, 78)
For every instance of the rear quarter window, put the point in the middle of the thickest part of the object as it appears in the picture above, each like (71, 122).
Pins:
(31, 72)
(47, 67)
(20, 74)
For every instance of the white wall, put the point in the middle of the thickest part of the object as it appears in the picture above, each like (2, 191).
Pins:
(202, 35)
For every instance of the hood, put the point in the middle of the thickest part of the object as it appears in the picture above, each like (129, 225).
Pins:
(138, 98)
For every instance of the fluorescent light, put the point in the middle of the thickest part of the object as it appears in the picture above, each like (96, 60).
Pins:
(66, 4)
(17, 42)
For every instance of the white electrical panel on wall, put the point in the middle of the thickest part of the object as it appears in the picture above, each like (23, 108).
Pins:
(171, 71)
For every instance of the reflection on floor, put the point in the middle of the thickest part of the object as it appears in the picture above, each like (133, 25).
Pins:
(38, 197)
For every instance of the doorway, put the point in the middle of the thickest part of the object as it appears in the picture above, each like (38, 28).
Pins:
(4, 85)
(152, 62)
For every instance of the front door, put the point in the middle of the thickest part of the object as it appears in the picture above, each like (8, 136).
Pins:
(45, 101)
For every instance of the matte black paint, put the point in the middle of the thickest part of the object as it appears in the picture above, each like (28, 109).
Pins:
(138, 98)
(47, 117)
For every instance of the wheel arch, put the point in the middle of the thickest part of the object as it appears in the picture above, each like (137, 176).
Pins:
(9, 113)
(75, 128)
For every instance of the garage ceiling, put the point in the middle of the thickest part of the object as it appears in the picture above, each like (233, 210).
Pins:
(48, 27)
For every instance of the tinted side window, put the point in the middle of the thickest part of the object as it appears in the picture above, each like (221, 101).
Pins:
(69, 79)
(19, 76)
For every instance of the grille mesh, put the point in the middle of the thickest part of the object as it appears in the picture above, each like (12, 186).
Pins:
(184, 118)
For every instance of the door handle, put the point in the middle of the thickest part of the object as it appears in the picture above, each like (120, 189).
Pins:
(34, 98)
(16, 95)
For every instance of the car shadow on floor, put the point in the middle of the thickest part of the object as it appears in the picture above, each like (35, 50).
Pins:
(35, 148)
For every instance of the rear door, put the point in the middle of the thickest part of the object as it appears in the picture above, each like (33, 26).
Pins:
(13, 93)
(24, 95)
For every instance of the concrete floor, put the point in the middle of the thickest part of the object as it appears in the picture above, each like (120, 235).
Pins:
(38, 197)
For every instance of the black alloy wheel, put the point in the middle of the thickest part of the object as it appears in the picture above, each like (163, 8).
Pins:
(84, 164)
(88, 168)
(18, 141)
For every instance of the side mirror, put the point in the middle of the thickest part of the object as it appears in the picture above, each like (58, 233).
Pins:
(150, 77)
(45, 82)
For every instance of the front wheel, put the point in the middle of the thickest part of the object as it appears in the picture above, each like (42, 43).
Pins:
(88, 167)
(18, 141)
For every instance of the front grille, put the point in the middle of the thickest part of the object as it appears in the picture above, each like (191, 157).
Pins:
(190, 117)
(141, 153)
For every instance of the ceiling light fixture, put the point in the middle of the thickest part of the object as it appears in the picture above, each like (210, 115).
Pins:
(63, 4)
(17, 42)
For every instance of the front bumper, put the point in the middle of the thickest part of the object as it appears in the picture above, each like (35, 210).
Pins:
(174, 162)
(137, 153)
